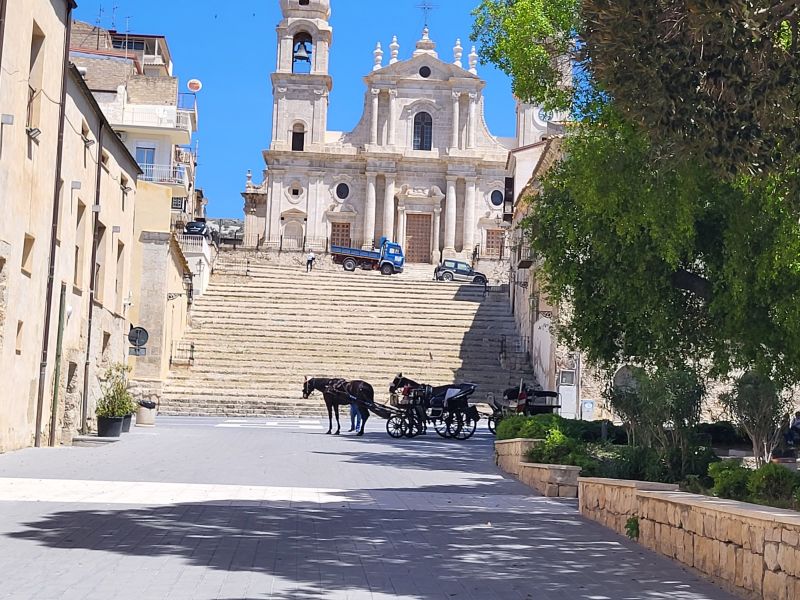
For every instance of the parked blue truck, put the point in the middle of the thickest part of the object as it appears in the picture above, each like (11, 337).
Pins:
(389, 259)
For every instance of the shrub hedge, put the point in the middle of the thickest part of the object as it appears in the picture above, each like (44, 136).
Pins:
(770, 485)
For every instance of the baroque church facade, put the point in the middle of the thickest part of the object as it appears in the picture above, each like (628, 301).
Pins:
(421, 167)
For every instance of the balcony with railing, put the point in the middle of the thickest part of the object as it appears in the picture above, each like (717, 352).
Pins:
(176, 176)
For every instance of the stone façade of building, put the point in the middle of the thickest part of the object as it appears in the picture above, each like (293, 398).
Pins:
(67, 200)
(421, 167)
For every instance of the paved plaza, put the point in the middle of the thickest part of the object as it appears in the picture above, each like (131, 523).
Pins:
(211, 509)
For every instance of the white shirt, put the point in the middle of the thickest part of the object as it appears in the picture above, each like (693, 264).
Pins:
(311, 256)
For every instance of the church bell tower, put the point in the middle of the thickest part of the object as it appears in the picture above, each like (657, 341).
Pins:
(301, 84)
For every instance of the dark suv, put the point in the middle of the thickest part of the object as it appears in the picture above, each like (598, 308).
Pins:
(197, 228)
(453, 270)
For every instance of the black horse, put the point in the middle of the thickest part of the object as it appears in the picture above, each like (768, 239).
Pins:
(339, 392)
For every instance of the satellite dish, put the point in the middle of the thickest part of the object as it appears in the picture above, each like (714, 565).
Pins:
(194, 85)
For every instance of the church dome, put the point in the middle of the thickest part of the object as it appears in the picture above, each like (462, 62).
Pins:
(309, 9)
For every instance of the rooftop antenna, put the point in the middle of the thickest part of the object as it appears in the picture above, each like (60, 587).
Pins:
(98, 24)
(127, 34)
(114, 17)
(426, 8)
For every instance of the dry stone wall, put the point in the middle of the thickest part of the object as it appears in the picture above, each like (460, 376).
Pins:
(752, 550)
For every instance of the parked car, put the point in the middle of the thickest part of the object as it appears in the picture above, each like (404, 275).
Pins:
(453, 270)
(197, 228)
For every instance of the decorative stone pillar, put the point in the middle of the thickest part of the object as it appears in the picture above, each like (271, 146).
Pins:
(469, 217)
(450, 218)
(456, 119)
(473, 120)
(388, 208)
(369, 212)
(316, 204)
(401, 226)
(374, 130)
(437, 227)
(392, 117)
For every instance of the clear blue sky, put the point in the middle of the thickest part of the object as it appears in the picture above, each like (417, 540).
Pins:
(231, 47)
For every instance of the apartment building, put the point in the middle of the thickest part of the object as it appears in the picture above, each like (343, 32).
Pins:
(67, 200)
(131, 76)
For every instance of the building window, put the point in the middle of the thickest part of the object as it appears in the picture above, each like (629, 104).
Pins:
(146, 157)
(35, 78)
(125, 188)
(342, 191)
(80, 234)
(177, 204)
(302, 54)
(19, 342)
(423, 131)
(27, 254)
(497, 198)
(298, 138)
(303, 2)
(99, 265)
(120, 277)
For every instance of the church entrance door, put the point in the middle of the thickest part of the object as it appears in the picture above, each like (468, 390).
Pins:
(419, 231)
(340, 234)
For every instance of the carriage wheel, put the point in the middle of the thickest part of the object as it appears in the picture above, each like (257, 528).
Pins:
(396, 427)
(455, 422)
(440, 425)
(467, 428)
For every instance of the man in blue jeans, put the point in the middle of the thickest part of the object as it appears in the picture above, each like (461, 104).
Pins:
(355, 417)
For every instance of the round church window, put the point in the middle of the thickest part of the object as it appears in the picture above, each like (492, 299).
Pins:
(342, 191)
(497, 198)
(425, 72)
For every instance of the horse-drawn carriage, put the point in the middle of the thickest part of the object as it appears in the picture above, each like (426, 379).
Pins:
(523, 400)
(417, 405)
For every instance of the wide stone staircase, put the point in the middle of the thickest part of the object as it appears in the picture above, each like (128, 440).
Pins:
(260, 329)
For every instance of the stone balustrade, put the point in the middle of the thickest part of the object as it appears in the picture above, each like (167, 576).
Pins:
(754, 551)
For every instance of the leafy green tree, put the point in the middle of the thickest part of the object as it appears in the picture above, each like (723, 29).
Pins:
(717, 80)
(761, 409)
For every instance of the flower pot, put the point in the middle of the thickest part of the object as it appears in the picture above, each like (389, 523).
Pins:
(126, 423)
(145, 417)
(109, 427)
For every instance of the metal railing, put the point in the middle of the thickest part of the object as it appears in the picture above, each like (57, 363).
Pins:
(187, 101)
(182, 354)
(184, 120)
(166, 174)
(196, 245)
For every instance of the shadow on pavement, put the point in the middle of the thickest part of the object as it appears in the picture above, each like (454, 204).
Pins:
(318, 553)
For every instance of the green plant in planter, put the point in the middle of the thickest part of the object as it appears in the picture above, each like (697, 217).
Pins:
(117, 400)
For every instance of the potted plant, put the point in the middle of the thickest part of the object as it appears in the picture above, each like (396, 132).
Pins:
(116, 403)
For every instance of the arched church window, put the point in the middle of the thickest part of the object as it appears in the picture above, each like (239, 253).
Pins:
(342, 191)
(303, 49)
(423, 131)
(498, 198)
(298, 138)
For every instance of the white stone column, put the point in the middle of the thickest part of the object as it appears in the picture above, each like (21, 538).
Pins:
(374, 130)
(401, 226)
(450, 218)
(392, 117)
(369, 212)
(275, 205)
(469, 217)
(388, 208)
(437, 226)
(456, 119)
(314, 211)
(473, 120)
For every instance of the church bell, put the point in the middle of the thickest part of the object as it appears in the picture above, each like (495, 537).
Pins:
(301, 53)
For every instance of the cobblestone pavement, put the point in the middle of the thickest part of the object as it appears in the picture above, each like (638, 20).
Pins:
(277, 510)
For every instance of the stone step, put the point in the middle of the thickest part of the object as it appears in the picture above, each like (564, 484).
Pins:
(257, 337)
